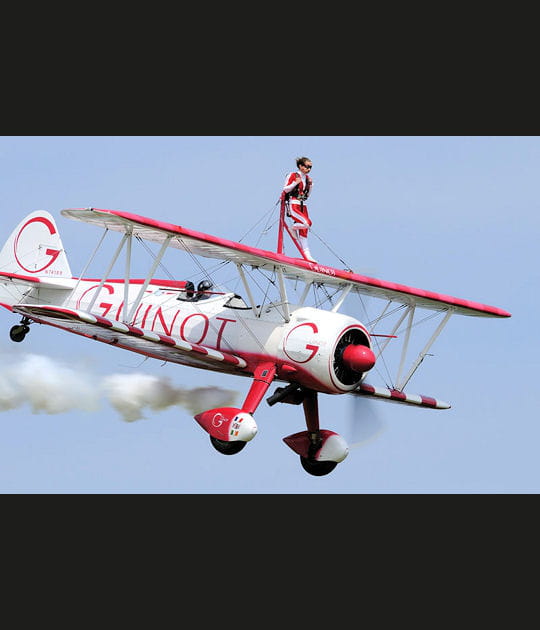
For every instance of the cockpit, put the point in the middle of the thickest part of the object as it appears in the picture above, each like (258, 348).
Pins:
(188, 293)
(203, 291)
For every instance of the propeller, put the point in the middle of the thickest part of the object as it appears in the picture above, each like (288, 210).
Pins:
(365, 422)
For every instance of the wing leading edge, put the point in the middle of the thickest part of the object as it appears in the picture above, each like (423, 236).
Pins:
(146, 342)
(201, 244)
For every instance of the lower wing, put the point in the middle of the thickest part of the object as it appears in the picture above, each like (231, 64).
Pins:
(145, 342)
(396, 396)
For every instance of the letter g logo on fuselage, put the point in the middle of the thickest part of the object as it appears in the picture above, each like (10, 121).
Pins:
(295, 346)
(29, 236)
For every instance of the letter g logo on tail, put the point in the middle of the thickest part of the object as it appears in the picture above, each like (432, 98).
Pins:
(29, 249)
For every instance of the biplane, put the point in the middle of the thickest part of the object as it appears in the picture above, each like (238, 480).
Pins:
(282, 324)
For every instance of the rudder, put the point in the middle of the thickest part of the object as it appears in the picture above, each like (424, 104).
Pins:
(35, 248)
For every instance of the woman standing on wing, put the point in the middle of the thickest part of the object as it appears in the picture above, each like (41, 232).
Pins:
(298, 185)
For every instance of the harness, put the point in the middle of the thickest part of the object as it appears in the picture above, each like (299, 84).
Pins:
(301, 196)
(295, 192)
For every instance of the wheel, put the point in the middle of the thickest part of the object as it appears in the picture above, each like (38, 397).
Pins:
(18, 333)
(318, 469)
(227, 448)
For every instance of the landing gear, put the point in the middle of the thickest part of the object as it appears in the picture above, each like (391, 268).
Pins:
(320, 450)
(311, 464)
(316, 468)
(19, 332)
(227, 448)
(229, 428)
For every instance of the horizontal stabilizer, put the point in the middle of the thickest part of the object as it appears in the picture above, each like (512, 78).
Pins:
(41, 281)
(129, 337)
(394, 395)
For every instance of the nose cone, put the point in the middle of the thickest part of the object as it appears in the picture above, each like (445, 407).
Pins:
(358, 358)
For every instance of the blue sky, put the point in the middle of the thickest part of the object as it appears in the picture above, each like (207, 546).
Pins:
(453, 214)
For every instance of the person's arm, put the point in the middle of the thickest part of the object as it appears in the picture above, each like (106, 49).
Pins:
(309, 181)
(291, 181)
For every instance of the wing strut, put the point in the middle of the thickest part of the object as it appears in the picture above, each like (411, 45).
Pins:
(380, 316)
(398, 324)
(341, 299)
(284, 298)
(424, 351)
(305, 293)
(149, 277)
(248, 290)
(410, 311)
(106, 275)
(129, 234)
(83, 272)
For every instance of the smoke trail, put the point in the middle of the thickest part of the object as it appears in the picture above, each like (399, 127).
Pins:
(129, 394)
(45, 385)
(52, 387)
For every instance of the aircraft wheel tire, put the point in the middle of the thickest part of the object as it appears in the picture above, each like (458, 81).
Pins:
(318, 469)
(18, 333)
(227, 448)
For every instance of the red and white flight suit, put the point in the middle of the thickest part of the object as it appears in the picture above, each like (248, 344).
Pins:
(297, 192)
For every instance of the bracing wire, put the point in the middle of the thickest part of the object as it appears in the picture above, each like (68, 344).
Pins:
(207, 272)
(240, 318)
(204, 272)
(267, 227)
(153, 257)
(346, 265)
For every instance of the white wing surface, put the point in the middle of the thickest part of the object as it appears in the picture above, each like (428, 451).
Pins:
(201, 244)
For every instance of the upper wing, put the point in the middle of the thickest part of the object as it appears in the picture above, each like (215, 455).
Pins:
(130, 337)
(209, 246)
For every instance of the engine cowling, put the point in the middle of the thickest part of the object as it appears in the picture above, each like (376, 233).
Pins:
(333, 348)
(228, 424)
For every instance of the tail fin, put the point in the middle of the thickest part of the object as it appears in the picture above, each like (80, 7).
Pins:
(35, 248)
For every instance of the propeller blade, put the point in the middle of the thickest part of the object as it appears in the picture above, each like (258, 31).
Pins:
(365, 423)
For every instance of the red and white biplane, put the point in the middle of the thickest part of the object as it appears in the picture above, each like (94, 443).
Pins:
(284, 325)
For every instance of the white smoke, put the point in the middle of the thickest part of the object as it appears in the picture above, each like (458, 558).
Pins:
(45, 385)
(51, 387)
(130, 394)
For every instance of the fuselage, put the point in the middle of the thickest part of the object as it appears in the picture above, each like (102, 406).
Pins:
(304, 344)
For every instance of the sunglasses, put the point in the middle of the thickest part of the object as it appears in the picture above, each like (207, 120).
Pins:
(310, 166)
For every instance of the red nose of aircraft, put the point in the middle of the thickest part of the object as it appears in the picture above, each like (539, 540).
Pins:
(358, 358)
